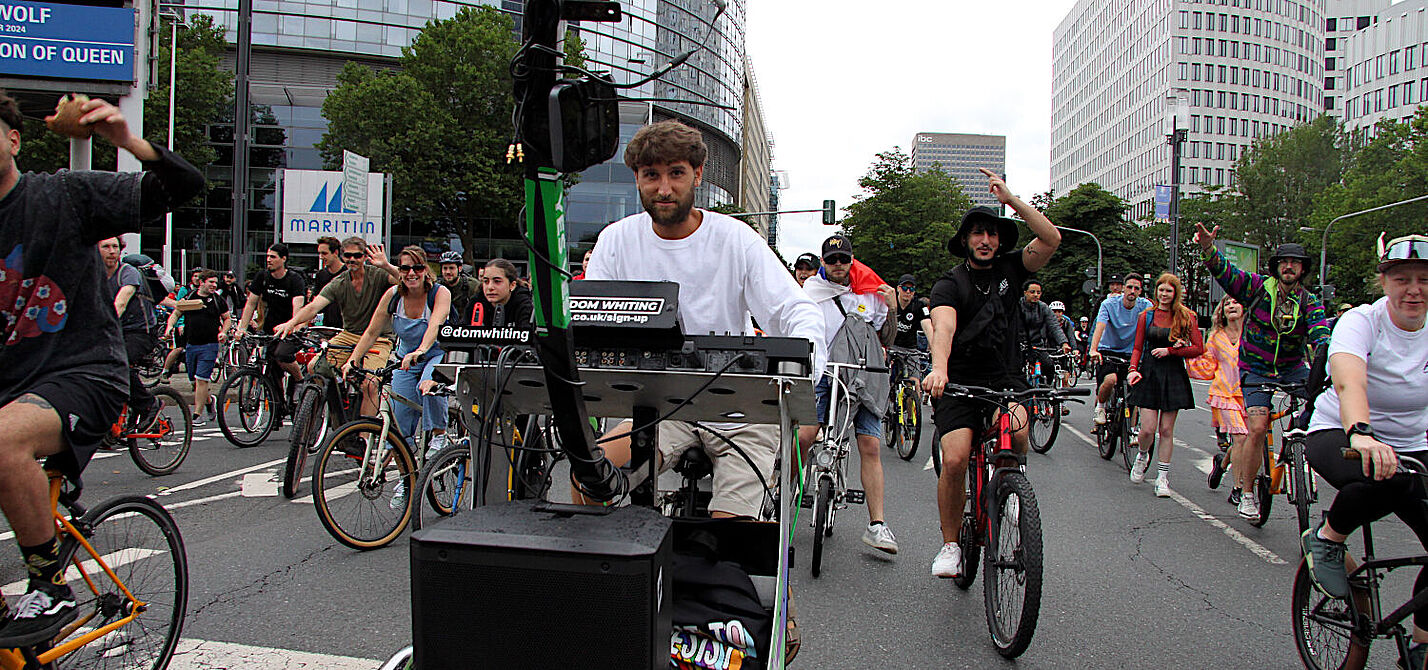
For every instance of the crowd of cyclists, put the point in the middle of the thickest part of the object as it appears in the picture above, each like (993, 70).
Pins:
(63, 369)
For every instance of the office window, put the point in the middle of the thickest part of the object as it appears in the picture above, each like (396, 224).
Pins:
(1393, 62)
(1330, 25)
(1329, 63)
(1409, 62)
(1378, 66)
(1392, 96)
(1221, 69)
(1194, 175)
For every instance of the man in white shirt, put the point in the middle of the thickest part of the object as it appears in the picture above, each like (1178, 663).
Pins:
(839, 297)
(726, 273)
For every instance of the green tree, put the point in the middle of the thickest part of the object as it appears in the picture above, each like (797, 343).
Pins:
(1125, 247)
(900, 224)
(1278, 179)
(204, 97)
(441, 125)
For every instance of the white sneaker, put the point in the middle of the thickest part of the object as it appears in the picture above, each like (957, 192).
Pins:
(880, 537)
(1162, 487)
(1137, 473)
(399, 500)
(1100, 415)
(948, 562)
(435, 444)
(1249, 507)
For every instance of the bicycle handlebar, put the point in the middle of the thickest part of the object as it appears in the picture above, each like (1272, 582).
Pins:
(1296, 389)
(985, 393)
(1406, 464)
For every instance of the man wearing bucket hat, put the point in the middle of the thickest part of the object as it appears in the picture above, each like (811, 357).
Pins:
(976, 339)
(1282, 319)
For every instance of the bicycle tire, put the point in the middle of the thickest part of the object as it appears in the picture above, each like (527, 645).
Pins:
(1299, 474)
(162, 455)
(446, 486)
(1129, 418)
(1323, 628)
(357, 508)
(306, 433)
(255, 400)
(909, 431)
(1106, 441)
(1012, 585)
(1045, 424)
(971, 545)
(531, 469)
(1265, 497)
(140, 542)
(822, 528)
(936, 452)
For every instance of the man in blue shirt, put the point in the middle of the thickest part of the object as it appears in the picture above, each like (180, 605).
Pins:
(1115, 334)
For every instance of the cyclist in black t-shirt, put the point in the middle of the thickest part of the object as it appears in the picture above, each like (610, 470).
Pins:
(329, 253)
(281, 292)
(976, 327)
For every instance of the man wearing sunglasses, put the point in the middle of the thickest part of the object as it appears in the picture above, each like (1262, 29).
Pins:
(356, 291)
(913, 314)
(1282, 320)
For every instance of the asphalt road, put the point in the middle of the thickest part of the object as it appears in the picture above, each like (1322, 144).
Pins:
(1131, 580)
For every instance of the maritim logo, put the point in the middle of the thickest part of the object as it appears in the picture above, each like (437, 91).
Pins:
(335, 221)
(312, 208)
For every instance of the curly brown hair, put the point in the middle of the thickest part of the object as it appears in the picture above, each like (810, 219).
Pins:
(666, 142)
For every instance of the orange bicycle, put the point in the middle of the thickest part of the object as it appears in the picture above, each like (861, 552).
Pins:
(129, 574)
(162, 448)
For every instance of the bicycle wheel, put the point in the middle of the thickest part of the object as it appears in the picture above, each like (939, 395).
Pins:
(1045, 424)
(1266, 499)
(936, 452)
(1324, 628)
(162, 455)
(254, 400)
(1129, 418)
(1106, 438)
(909, 431)
(1299, 475)
(446, 486)
(822, 524)
(971, 546)
(364, 505)
(308, 426)
(138, 540)
(1012, 585)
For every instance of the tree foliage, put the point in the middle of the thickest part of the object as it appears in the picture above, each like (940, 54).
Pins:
(1278, 179)
(900, 224)
(1125, 247)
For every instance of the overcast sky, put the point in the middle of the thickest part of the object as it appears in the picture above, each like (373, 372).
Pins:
(842, 80)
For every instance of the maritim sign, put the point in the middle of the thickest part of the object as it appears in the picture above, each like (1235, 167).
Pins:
(61, 41)
(312, 208)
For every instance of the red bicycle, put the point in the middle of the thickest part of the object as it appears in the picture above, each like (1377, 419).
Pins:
(162, 448)
(1002, 517)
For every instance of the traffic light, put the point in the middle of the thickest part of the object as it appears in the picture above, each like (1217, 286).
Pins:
(828, 213)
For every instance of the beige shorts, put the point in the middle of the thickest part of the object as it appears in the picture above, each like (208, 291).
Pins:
(737, 489)
(371, 361)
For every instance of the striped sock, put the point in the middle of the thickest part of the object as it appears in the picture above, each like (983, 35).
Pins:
(1163, 468)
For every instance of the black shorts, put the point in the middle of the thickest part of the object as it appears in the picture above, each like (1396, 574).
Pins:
(87, 401)
(180, 338)
(952, 413)
(1107, 367)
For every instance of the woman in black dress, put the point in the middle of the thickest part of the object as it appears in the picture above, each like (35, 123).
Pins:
(1164, 337)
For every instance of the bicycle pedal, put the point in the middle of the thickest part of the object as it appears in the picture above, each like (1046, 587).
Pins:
(853, 496)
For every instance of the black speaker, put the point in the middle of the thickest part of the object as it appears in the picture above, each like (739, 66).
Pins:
(508, 587)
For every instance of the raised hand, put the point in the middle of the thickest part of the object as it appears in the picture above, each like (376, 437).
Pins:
(1205, 238)
(998, 187)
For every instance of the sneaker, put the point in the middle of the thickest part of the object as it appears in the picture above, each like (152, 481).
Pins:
(1235, 496)
(199, 421)
(948, 562)
(1249, 507)
(144, 421)
(1137, 473)
(435, 444)
(1326, 563)
(880, 537)
(1162, 487)
(1100, 415)
(38, 615)
(400, 499)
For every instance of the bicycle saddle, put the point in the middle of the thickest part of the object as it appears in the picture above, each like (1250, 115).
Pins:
(694, 464)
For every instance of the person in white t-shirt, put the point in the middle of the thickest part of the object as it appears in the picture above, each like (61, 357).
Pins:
(1378, 404)
(726, 274)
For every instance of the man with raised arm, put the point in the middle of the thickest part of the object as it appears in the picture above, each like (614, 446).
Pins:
(63, 373)
(976, 340)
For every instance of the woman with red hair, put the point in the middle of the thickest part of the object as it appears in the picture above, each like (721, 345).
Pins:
(1160, 386)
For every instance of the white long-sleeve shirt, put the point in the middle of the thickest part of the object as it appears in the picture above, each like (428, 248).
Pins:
(725, 272)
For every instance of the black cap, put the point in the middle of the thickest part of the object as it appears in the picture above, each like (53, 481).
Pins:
(837, 244)
(906, 279)
(808, 259)
(1114, 279)
(1006, 231)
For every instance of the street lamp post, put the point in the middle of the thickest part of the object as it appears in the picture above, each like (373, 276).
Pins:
(1175, 113)
(1097, 240)
(175, 19)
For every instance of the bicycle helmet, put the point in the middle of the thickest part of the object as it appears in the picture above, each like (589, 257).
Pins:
(451, 257)
(1057, 304)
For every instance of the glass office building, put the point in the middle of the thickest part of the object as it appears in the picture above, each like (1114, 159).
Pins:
(299, 46)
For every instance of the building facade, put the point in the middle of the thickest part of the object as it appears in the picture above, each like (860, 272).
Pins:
(756, 165)
(960, 155)
(299, 46)
(1385, 66)
(1245, 69)
(1343, 18)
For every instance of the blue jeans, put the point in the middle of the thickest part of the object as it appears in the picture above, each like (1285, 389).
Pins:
(864, 423)
(199, 360)
(404, 382)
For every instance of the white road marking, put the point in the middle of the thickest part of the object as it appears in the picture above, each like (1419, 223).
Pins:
(1254, 547)
(201, 501)
(221, 477)
(194, 654)
(260, 485)
(113, 560)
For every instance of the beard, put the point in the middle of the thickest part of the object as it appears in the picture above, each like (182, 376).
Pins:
(675, 217)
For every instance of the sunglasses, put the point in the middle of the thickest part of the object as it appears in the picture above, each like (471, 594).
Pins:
(1412, 247)
(353, 256)
(908, 287)
(412, 268)
(838, 259)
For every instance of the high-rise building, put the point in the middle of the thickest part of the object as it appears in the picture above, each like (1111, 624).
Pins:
(299, 46)
(1385, 65)
(755, 166)
(960, 155)
(1245, 69)
(1342, 19)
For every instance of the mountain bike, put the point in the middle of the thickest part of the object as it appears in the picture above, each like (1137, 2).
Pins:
(1284, 472)
(324, 400)
(151, 366)
(455, 480)
(1121, 419)
(1002, 517)
(1335, 633)
(163, 447)
(129, 573)
(1044, 413)
(828, 459)
(251, 393)
(902, 424)
(365, 473)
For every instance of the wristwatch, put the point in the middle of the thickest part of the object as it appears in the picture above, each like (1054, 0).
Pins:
(1360, 428)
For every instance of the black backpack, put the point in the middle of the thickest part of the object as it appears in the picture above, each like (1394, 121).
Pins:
(716, 610)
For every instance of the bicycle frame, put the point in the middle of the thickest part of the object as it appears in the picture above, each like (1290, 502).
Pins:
(833, 460)
(14, 659)
(996, 445)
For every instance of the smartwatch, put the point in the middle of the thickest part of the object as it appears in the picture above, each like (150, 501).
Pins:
(1360, 428)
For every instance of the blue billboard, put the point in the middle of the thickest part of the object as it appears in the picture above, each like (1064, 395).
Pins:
(1162, 202)
(54, 41)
